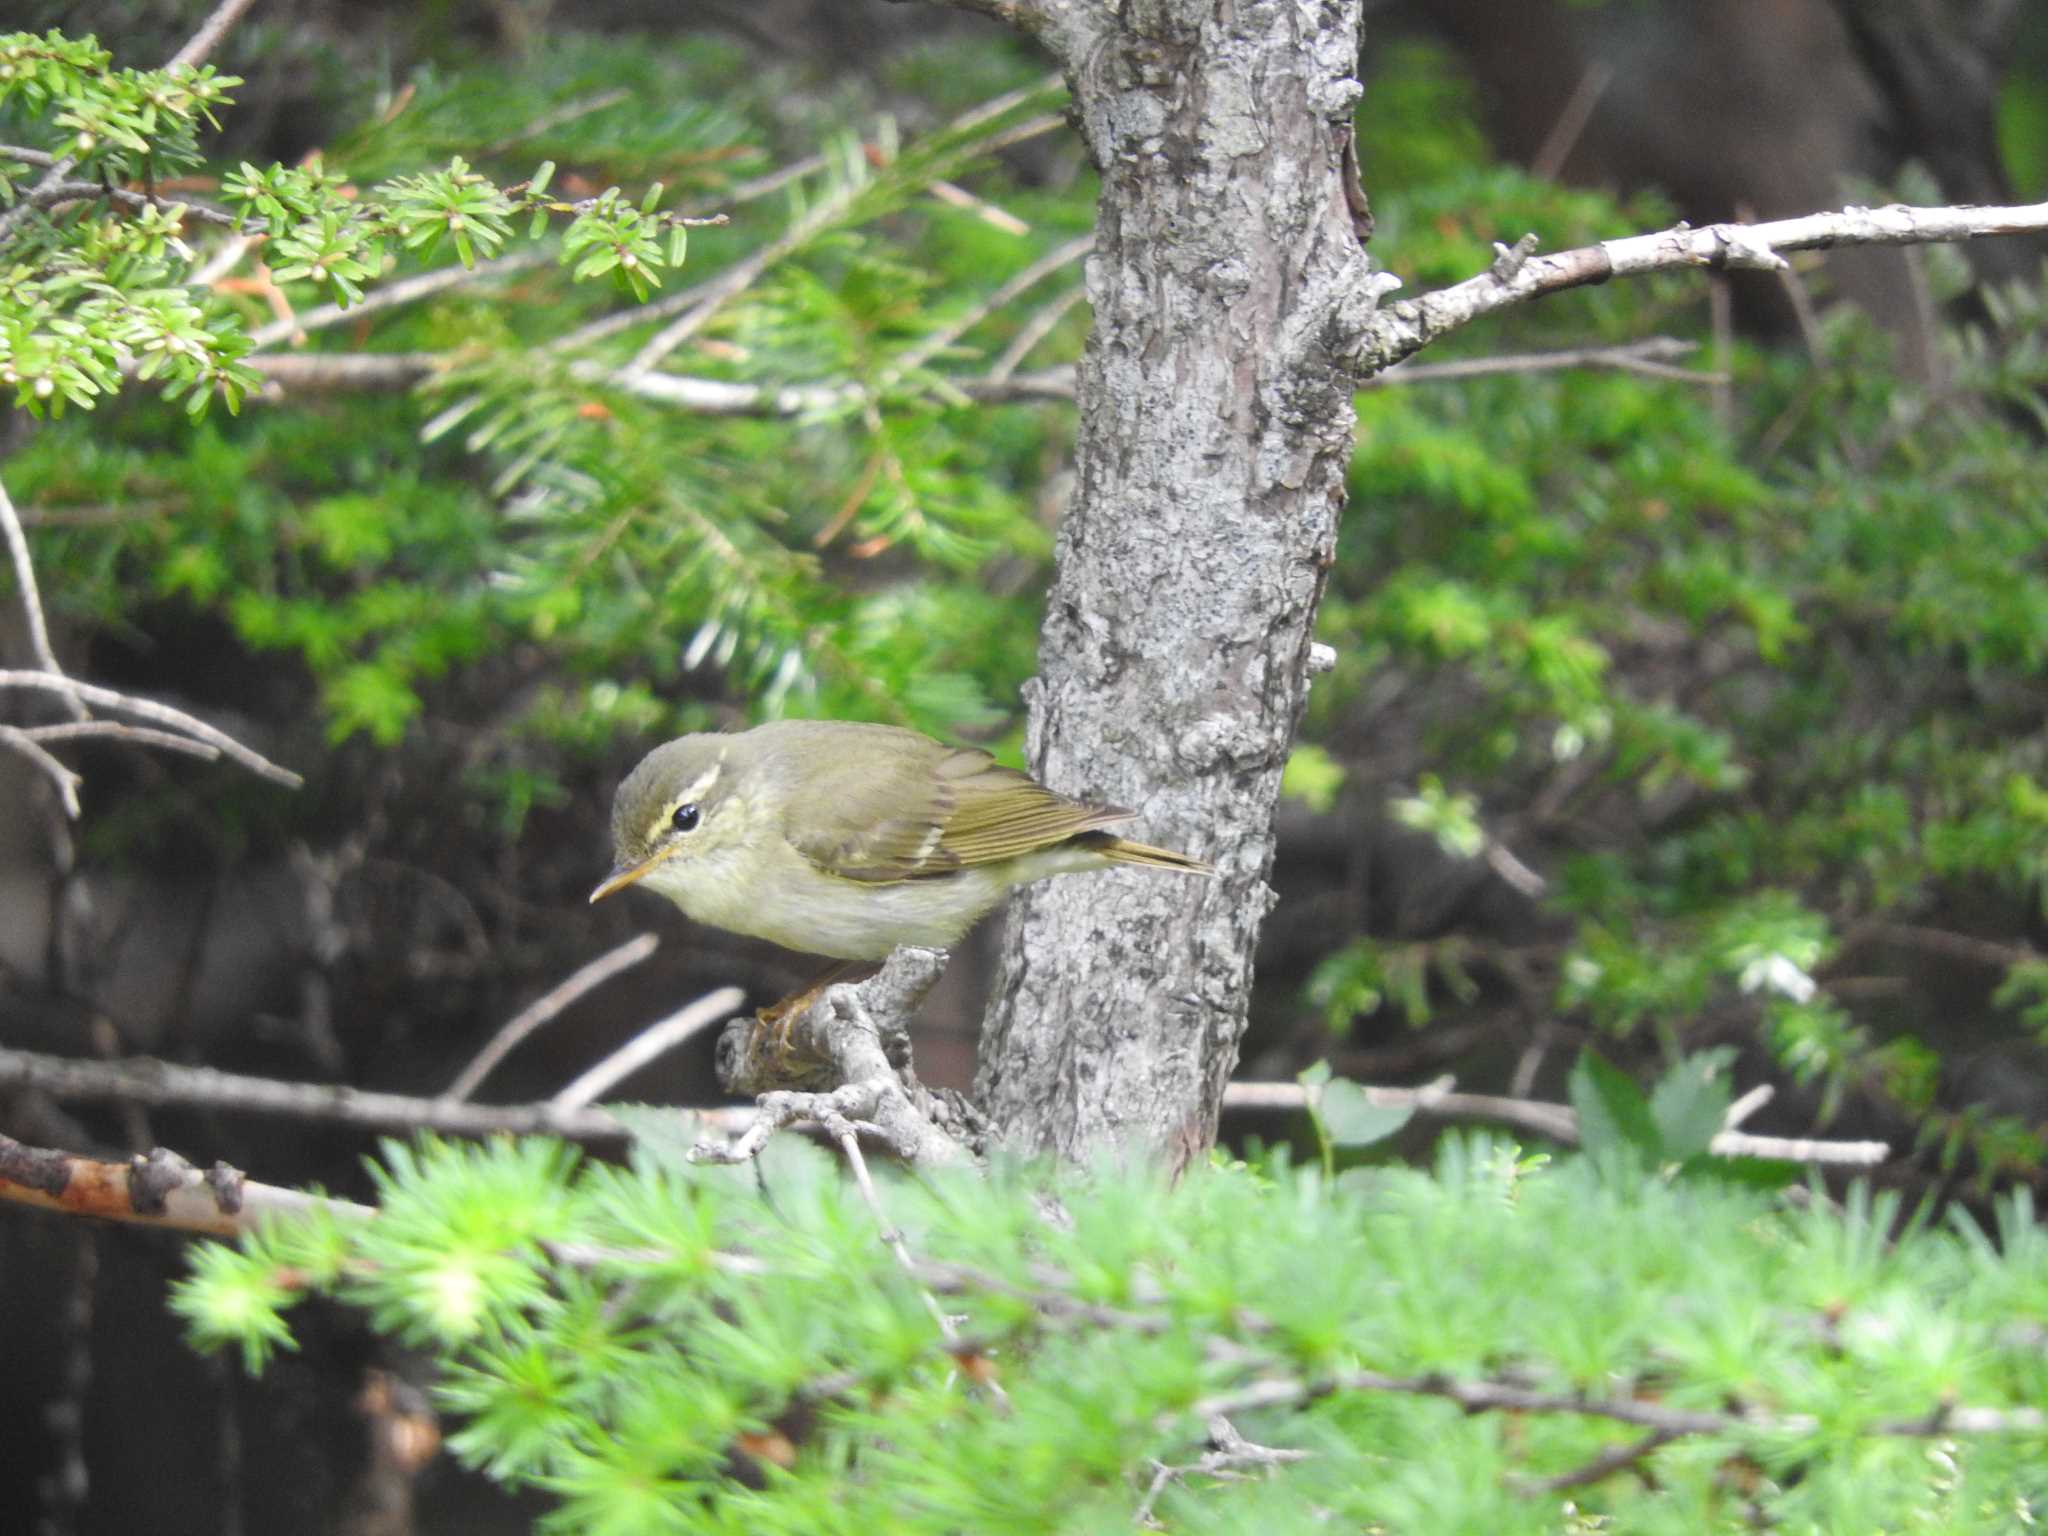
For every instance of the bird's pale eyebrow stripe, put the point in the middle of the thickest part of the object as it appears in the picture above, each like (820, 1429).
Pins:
(699, 788)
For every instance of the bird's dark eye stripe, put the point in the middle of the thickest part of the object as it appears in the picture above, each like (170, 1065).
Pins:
(686, 817)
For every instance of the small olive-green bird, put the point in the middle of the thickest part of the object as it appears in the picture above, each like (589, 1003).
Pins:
(839, 839)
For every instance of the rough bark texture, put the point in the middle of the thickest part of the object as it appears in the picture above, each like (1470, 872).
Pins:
(1216, 426)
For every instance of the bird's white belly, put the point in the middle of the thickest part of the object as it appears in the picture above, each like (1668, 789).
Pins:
(820, 915)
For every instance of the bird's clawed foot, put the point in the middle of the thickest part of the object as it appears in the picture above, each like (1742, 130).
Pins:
(779, 1017)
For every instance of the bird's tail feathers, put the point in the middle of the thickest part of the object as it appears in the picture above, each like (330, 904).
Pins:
(1124, 851)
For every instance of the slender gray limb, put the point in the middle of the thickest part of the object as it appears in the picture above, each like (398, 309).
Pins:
(116, 730)
(726, 397)
(1032, 275)
(545, 1007)
(842, 1131)
(347, 370)
(1614, 1459)
(1227, 1459)
(391, 295)
(65, 780)
(199, 48)
(1390, 331)
(735, 280)
(650, 1044)
(1556, 1121)
(1034, 331)
(848, 1052)
(32, 598)
(162, 714)
(48, 194)
(1747, 1105)
(1500, 1396)
(1652, 357)
(142, 1080)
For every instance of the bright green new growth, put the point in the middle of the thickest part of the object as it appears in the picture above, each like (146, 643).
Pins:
(665, 1347)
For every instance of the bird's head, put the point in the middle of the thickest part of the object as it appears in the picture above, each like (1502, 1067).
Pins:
(676, 810)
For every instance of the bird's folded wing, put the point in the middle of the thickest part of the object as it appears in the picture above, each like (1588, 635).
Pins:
(918, 817)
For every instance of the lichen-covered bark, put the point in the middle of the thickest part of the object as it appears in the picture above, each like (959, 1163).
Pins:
(1216, 426)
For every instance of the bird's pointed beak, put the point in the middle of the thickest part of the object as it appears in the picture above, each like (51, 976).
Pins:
(623, 876)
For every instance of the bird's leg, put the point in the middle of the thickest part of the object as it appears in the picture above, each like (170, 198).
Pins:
(779, 1016)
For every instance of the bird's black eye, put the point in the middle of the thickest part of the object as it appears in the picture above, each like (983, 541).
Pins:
(686, 817)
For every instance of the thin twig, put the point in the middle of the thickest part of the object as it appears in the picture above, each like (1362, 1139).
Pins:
(650, 1044)
(1941, 941)
(119, 730)
(143, 1080)
(220, 261)
(545, 1007)
(1034, 331)
(1556, 1121)
(1651, 357)
(1395, 329)
(568, 112)
(1721, 321)
(1747, 1105)
(843, 1132)
(1564, 134)
(66, 781)
(407, 291)
(202, 43)
(1030, 277)
(1229, 1452)
(1614, 1459)
(49, 193)
(1500, 1396)
(162, 714)
(735, 280)
(32, 599)
(348, 370)
(159, 1189)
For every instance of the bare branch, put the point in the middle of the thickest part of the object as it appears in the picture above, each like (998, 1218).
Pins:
(202, 43)
(1034, 331)
(853, 1037)
(391, 295)
(1001, 385)
(1563, 137)
(1556, 1121)
(48, 193)
(1967, 947)
(651, 1043)
(348, 370)
(543, 1008)
(66, 781)
(116, 730)
(141, 1080)
(1500, 1396)
(1228, 1455)
(1401, 328)
(32, 600)
(1032, 275)
(158, 1190)
(843, 1132)
(1747, 1105)
(1614, 1459)
(1651, 357)
(568, 112)
(735, 280)
(162, 714)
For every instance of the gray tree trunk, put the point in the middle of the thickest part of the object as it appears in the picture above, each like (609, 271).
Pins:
(1215, 430)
